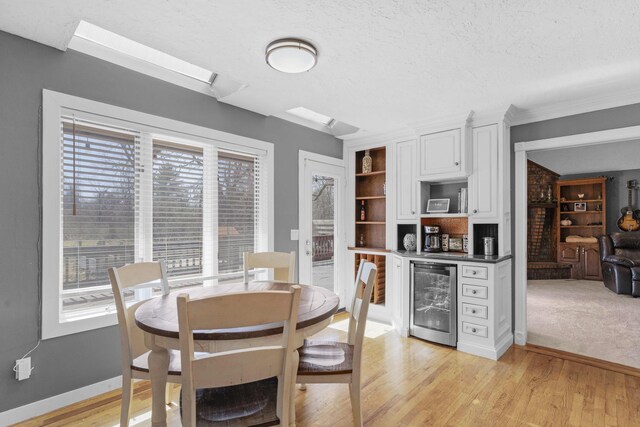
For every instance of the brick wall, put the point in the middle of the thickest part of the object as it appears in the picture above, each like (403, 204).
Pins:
(541, 241)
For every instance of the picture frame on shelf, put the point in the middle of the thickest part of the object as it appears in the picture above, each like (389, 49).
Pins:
(580, 207)
(438, 205)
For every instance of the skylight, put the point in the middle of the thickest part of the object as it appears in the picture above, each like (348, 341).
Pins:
(305, 113)
(137, 50)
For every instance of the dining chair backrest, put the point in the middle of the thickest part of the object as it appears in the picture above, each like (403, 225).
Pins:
(238, 366)
(140, 275)
(365, 280)
(282, 263)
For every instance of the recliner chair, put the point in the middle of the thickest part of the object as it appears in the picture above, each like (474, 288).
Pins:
(620, 257)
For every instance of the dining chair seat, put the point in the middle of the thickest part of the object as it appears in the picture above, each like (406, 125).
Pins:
(141, 363)
(325, 358)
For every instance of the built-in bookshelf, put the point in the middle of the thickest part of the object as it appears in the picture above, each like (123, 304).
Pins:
(371, 230)
(580, 219)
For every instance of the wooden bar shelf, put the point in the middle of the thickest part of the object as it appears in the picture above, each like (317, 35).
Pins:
(371, 197)
(381, 172)
(371, 222)
(367, 248)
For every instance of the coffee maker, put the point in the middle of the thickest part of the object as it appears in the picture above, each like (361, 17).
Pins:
(432, 238)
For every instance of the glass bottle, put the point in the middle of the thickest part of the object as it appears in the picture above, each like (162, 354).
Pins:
(366, 162)
(361, 241)
(363, 214)
(549, 194)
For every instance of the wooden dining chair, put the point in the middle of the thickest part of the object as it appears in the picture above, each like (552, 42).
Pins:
(338, 362)
(227, 371)
(134, 353)
(283, 264)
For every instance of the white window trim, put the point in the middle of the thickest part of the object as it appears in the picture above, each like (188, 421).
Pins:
(55, 105)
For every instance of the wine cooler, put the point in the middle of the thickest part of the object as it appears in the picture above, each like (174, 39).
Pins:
(433, 302)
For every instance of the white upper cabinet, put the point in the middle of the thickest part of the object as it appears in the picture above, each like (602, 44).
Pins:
(406, 180)
(442, 155)
(483, 182)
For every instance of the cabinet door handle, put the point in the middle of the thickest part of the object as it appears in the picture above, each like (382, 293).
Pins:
(413, 212)
(474, 292)
(473, 311)
(457, 163)
(475, 211)
(473, 330)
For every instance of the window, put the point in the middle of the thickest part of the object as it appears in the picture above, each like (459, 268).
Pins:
(118, 192)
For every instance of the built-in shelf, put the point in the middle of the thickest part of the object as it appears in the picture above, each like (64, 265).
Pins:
(366, 248)
(583, 200)
(581, 226)
(579, 212)
(445, 215)
(370, 197)
(370, 235)
(543, 205)
(382, 172)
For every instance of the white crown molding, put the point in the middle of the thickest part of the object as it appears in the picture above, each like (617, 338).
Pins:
(396, 135)
(34, 409)
(496, 115)
(442, 123)
(576, 106)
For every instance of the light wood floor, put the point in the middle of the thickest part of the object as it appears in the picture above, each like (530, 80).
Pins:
(411, 382)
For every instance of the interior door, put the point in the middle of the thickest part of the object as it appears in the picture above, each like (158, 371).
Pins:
(321, 239)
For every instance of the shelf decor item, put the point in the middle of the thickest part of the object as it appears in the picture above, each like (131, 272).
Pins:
(566, 222)
(438, 205)
(455, 244)
(366, 162)
(409, 242)
(580, 207)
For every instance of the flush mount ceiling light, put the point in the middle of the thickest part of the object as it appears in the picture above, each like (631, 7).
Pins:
(291, 55)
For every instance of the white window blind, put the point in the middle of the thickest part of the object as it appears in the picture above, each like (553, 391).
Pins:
(131, 196)
(239, 227)
(178, 212)
(98, 193)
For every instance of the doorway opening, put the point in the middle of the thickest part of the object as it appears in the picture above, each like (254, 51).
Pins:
(573, 195)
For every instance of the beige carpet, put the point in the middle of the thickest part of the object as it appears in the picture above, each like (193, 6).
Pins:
(584, 317)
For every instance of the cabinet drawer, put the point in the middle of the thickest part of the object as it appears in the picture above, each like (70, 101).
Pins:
(473, 329)
(479, 311)
(475, 291)
(474, 272)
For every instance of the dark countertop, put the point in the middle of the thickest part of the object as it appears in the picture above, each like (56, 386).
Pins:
(454, 256)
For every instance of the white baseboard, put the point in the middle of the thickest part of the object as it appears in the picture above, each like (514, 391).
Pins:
(493, 353)
(52, 403)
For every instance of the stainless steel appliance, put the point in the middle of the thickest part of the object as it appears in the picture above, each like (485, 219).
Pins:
(433, 302)
(432, 238)
(489, 244)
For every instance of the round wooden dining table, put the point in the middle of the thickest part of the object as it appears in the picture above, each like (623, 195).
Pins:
(158, 319)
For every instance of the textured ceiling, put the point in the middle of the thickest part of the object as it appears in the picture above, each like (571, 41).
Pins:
(382, 63)
(591, 158)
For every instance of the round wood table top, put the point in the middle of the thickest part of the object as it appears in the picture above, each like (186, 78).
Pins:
(159, 316)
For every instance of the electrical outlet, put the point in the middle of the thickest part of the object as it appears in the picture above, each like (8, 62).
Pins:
(23, 368)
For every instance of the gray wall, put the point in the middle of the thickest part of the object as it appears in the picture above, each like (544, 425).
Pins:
(617, 193)
(66, 363)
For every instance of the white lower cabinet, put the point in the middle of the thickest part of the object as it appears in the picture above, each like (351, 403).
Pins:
(399, 295)
(484, 309)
